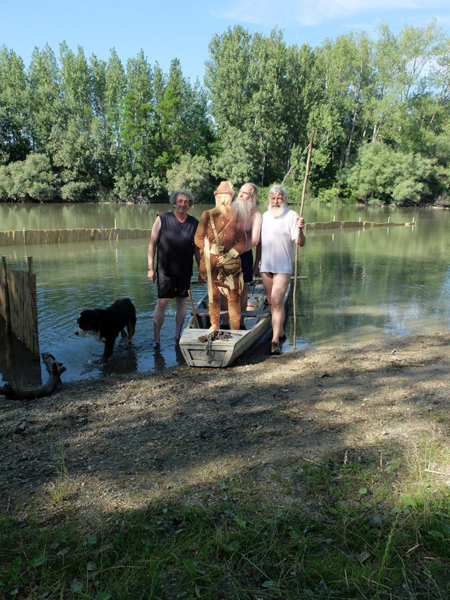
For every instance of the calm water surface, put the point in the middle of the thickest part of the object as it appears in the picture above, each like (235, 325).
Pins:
(368, 284)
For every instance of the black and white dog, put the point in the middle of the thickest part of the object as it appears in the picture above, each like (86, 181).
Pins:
(105, 324)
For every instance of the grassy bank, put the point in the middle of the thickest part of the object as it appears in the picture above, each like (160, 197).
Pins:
(318, 474)
(349, 527)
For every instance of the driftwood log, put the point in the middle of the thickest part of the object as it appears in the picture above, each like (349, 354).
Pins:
(55, 370)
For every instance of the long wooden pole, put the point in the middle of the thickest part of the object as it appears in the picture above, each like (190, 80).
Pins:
(308, 160)
(194, 312)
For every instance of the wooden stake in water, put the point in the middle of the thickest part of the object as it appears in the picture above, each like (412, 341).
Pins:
(7, 307)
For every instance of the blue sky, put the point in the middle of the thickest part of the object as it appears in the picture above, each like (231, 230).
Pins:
(167, 29)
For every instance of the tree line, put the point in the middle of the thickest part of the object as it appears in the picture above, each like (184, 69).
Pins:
(77, 129)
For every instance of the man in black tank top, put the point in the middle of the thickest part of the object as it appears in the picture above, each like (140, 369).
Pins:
(173, 235)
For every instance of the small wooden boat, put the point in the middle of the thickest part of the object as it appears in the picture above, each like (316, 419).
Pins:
(205, 348)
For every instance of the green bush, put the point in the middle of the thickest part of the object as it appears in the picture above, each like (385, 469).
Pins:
(29, 180)
(138, 187)
(191, 173)
(74, 191)
(336, 194)
(382, 174)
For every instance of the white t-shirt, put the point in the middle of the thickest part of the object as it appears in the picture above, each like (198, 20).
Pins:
(277, 242)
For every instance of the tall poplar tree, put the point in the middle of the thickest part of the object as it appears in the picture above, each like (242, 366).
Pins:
(73, 146)
(45, 98)
(15, 139)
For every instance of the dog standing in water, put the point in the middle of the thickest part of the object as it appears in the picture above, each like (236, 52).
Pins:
(105, 324)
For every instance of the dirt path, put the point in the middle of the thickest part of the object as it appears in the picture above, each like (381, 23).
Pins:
(118, 443)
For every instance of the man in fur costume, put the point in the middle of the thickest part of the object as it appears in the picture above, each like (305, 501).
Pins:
(221, 238)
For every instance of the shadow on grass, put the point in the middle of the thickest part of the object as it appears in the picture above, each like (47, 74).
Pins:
(311, 504)
(331, 530)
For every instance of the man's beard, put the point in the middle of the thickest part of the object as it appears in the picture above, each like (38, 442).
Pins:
(241, 210)
(277, 211)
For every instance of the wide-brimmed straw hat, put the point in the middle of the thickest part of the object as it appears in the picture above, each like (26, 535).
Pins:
(225, 187)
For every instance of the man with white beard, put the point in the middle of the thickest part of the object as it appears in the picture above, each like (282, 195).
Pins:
(281, 227)
(244, 209)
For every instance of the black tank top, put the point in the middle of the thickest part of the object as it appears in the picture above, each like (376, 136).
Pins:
(176, 244)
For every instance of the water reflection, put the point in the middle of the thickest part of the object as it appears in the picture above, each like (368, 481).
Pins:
(361, 284)
(160, 362)
(17, 365)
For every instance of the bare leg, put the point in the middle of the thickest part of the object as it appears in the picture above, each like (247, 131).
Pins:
(158, 317)
(180, 316)
(275, 286)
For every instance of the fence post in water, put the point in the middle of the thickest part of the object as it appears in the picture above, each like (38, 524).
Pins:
(34, 323)
(7, 307)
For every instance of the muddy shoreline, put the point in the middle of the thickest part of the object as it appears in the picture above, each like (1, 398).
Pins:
(121, 442)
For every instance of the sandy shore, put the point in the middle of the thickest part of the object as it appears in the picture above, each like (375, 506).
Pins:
(120, 442)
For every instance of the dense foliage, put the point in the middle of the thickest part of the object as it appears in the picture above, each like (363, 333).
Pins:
(78, 129)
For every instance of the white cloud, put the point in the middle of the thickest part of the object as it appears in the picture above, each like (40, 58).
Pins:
(312, 12)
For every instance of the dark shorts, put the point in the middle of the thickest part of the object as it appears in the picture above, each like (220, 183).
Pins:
(247, 266)
(172, 286)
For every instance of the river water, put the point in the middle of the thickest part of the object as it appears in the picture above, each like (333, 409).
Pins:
(361, 284)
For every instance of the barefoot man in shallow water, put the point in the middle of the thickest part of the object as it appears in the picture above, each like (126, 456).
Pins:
(281, 227)
(173, 236)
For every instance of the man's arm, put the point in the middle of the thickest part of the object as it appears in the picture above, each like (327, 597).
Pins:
(240, 240)
(152, 248)
(197, 256)
(253, 238)
(197, 260)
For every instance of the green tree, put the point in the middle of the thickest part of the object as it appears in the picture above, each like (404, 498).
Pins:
(115, 87)
(246, 76)
(191, 173)
(384, 174)
(227, 78)
(136, 136)
(45, 98)
(182, 124)
(31, 179)
(73, 143)
(237, 158)
(15, 141)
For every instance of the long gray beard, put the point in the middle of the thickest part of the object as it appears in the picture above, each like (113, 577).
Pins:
(277, 211)
(241, 210)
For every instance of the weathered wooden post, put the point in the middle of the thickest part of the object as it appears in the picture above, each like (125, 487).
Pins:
(34, 318)
(19, 305)
(6, 304)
